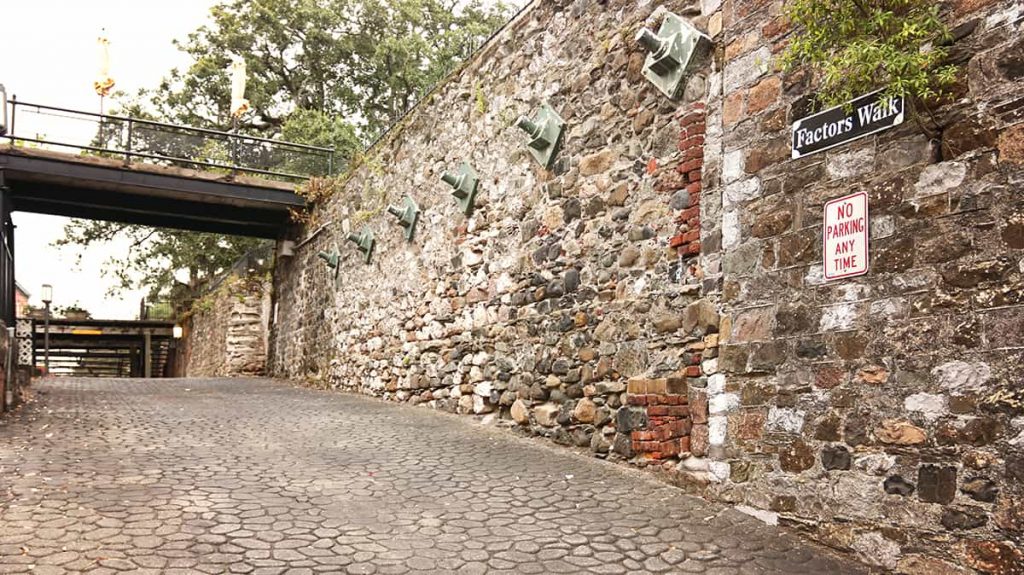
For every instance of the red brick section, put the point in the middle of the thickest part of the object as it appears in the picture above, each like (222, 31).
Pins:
(665, 399)
(668, 433)
(686, 241)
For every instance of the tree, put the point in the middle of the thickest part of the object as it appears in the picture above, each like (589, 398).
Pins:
(321, 72)
(364, 60)
(855, 46)
(157, 257)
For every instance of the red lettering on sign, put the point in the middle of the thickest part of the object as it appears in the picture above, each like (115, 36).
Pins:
(845, 235)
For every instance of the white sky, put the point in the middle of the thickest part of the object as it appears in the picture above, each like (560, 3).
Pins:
(52, 59)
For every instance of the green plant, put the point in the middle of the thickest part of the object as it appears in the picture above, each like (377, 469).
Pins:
(74, 309)
(160, 310)
(856, 46)
(480, 97)
(200, 305)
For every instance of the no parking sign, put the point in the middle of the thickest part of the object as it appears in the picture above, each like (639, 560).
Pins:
(845, 236)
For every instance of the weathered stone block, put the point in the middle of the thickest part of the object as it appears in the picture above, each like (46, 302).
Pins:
(767, 154)
(967, 135)
(900, 432)
(797, 456)
(668, 323)
(1011, 145)
(896, 485)
(994, 557)
(623, 445)
(936, 484)
(964, 518)
(800, 247)
(745, 70)
(753, 325)
(1009, 515)
(872, 375)
(699, 407)
(764, 94)
(748, 425)
(772, 223)
(699, 440)
(849, 163)
(629, 419)
(732, 108)
(520, 412)
(547, 414)
(700, 315)
(766, 356)
(597, 163)
(585, 411)
(733, 358)
(980, 489)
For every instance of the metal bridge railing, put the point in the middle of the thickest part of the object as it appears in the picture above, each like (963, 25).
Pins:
(148, 141)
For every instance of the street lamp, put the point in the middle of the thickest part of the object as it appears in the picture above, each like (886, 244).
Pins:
(47, 296)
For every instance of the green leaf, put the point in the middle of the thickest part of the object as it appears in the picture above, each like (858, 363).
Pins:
(855, 46)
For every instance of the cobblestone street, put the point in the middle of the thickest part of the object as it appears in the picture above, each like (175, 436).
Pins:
(255, 476)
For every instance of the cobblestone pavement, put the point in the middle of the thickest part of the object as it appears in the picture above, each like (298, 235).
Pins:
(256, 476)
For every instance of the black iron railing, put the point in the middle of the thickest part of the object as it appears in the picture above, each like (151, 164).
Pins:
(148, 141)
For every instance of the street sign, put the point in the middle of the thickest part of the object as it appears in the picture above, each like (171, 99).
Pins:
(833, 127)
(845, 236)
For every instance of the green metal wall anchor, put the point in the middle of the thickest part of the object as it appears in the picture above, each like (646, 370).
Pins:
(545, 133)
(465, 183)
(364, 241)
(407, 216)
(671, 52)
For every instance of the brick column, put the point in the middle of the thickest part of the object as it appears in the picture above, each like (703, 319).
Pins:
(669, 402)
(691, 146)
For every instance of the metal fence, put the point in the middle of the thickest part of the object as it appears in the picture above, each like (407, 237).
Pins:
(148, 141)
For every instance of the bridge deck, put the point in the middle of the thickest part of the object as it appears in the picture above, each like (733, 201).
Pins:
(94, 187)
(105, 347)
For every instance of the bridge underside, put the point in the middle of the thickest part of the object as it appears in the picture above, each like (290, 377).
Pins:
(110, 188)
(104, 188)
(106, 348)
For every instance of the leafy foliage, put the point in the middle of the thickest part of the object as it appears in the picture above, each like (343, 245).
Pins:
(860, 45)
(73, 309)
(173, 264)
(365, 60)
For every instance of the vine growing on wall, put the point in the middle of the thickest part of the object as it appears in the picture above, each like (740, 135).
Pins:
(856, 46)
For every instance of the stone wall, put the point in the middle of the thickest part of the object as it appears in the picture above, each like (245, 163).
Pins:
(226, 334)
(657, 296)
(564, 287)
(882, 413)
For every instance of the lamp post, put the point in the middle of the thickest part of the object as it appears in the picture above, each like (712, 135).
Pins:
(47, 296)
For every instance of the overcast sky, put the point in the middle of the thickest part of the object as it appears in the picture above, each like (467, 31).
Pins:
(52, 59)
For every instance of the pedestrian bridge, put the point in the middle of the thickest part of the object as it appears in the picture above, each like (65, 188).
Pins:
(102, 348)
(101, 188)
(139, 171)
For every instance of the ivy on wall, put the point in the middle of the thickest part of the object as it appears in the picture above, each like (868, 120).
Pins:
(856, 46)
